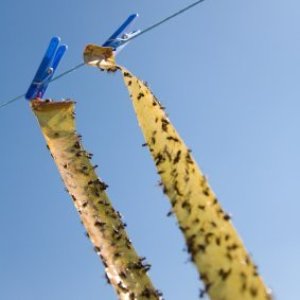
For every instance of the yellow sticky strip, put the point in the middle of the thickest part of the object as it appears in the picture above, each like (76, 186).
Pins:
(124, 268)
(222, 261)
(215, 247)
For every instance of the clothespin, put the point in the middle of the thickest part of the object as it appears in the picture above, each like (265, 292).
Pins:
(45, 72)
(119, 39)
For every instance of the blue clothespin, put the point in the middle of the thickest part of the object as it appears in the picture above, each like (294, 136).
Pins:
(44, 74)
(119, 39)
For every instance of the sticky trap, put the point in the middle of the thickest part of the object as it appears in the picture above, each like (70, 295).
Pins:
(125, 270)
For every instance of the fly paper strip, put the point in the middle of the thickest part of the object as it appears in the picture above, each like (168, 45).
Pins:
(223, 263)
(215, 247)
(125, 270)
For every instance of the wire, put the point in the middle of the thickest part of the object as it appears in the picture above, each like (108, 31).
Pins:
(11, 100)
(68, 71)
(129, 39)
(165, 20)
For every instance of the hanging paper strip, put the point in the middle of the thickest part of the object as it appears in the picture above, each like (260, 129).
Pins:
(125, 270)
(223, 263)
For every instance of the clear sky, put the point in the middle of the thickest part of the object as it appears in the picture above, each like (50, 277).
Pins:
(228, 73)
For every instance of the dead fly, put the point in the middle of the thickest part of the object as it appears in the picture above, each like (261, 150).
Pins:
(140, 95)
(169, 214)
(164, 125)
(84, 170)
(117, 254)
(206, 192)
(253, 291)
(73, 197)
(171, 138)
(97, 249)
(100, 224)
(79, 154)
(177, 189)
(177, 158)
(127, 74)
(218, 241)
(76, 145)
(142, 258)
(207, 285)
(224, 274)
(107, 279)
(168, 154)
(159, 159)
(226, 217)
(122, 275)
(101, 184)
(188, 158)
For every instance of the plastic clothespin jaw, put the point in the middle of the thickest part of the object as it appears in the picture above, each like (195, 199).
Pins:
(119, 39)
(46, 70)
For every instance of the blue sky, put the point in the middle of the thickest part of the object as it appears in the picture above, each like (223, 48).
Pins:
(228, 73)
